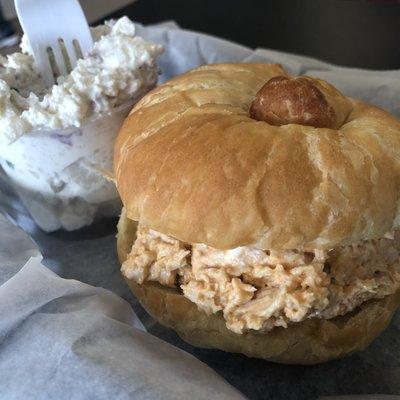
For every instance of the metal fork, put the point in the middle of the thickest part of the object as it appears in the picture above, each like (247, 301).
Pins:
(58, 34)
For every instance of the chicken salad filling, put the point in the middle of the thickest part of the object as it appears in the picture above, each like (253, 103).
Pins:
(262, 289)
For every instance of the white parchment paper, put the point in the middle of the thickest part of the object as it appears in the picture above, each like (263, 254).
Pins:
(88, 355)
(186, 50)
(64, 339)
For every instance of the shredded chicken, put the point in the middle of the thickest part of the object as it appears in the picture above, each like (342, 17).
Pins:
(258, 289)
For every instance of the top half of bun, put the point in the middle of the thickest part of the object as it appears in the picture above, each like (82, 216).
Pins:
(192, 163)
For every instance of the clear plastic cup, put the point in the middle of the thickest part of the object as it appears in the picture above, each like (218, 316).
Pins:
(58, 173)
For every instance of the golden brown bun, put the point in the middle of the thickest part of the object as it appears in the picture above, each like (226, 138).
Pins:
(308, 342)
(191, 163)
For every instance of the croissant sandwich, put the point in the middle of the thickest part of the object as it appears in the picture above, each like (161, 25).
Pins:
(261, 212)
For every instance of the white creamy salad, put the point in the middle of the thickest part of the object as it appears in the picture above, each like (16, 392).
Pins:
(57, 172)
(120, 67)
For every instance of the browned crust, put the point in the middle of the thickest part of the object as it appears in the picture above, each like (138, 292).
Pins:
(300, 100)
(308, 342)
(191, 163)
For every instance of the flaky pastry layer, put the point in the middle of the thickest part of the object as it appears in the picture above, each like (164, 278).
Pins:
(192, 163)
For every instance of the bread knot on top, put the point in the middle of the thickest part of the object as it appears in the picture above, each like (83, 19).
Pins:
(300, 100)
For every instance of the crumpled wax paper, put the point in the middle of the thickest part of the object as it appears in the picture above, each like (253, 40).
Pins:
(186, 50)
(64, 339)
(89, 255)
(16, 248)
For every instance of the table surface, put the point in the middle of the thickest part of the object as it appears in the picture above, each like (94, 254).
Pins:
(356, 33)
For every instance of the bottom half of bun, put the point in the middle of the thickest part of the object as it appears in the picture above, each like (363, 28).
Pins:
(308, 342)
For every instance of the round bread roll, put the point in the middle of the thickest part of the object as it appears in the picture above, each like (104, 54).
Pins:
(231, 155)
(192, 163)
(309, 342)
